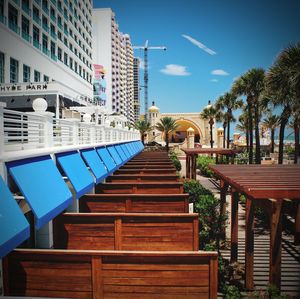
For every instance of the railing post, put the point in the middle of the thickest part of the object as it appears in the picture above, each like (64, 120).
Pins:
(2, 143)
(48, 130)
(76, 132)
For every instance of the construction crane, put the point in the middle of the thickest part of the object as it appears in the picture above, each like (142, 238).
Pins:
(146, 48)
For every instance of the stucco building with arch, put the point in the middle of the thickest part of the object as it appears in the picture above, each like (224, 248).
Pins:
(185, 121)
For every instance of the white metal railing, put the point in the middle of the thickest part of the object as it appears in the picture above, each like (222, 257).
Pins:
(28, 131)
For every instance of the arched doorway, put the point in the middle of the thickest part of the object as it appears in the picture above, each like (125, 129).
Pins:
(179, 135)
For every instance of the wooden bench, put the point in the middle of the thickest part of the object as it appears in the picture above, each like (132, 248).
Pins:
(110, 274)
(134, 203)
(143, 178)
(126, 231)
(140, 187)
(171, 170)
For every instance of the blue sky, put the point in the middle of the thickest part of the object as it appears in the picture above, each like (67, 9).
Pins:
(209, 43)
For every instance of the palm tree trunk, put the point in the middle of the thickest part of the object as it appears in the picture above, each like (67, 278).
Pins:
(224, 137)
(297, 147)
(247, 139)
(257, 137)
(272, 140)
(167, 141)
(143, 138)
(284, 119)
(250, 126)
(211, 136)
(228, 134)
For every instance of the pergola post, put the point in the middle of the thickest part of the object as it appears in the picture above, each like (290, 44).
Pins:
(234, 225)
(275, 243)
(223, 191)
(249, 244)
(297, 224)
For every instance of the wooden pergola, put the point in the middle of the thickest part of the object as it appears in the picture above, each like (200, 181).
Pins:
(191, 157)
(272, 187)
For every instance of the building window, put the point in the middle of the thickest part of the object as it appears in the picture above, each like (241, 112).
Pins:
(45, 43)
(52, 48)
(46, 78)
(14, 70)
(25, 27)
(71, 63)
(26, 73)
(65, 58)
(37, 76)
(59, 35)
(1, 7)
(59, 54)
(75, 69)
(80, 70)
(2, 65)
(36, 34)
(12, 17)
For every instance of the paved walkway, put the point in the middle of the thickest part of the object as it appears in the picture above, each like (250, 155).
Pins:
(290, 275)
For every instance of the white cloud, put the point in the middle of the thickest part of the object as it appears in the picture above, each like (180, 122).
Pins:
(175, 70)
(214, 80)
(219, 73)
(199, 44)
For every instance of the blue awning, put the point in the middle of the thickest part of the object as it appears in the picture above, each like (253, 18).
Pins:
(107, 159)
(77, 172)
(115, 155)
(14, 226)
(42, 186)
(97, 166)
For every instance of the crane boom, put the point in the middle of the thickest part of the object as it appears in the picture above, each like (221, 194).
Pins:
(146, 48)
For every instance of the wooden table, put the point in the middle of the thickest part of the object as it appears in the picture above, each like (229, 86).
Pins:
(271, 187)
(192, 153)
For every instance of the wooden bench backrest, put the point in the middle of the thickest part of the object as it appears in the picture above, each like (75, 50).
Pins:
(126, 231)
(134, 203)
(146, 171)
(143, 178)
(117, 274)
(140, 188)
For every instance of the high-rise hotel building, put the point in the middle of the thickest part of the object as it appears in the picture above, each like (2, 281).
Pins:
(49, 42)
(136, 88)
(113, 50)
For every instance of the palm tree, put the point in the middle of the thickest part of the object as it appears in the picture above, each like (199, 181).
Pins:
(167, 125)
(221, 117)
(251, 84)
(295, 124)
(243, 127)
(283, 87)
(143, 126)
(228, 103)
(209, 113)
(271, 122)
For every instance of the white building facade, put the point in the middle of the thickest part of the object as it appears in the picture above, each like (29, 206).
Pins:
(113, 50)
(47, 41)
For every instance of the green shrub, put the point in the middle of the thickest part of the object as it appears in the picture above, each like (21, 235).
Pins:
(195, 190)
(202, 164)
(242, 158)
(175, 160)
(211, 222)
(232, 292)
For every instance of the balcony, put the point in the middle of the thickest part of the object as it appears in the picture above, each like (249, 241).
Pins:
(53, 57)
(17, 2)
(59, 8)
(38, 2)
(46, 51)
(46, 28)
(26, 9)
(37, 44)
(37, 19)
(3, 19)
(66, 32)
(46, 9)
(76, 16)
(53, 35)
(54, 2)
(60, 26)
(53, 18)
(66, 3)
(14, 27)
(26, 36)
(66, 16)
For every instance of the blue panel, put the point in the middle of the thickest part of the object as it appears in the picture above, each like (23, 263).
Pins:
(121, 153)
(125, 150)
(131, 146)
(14, 226)
(42, 186)
(97, 166)
(107, 159)
(115, 155)
(77, 172)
